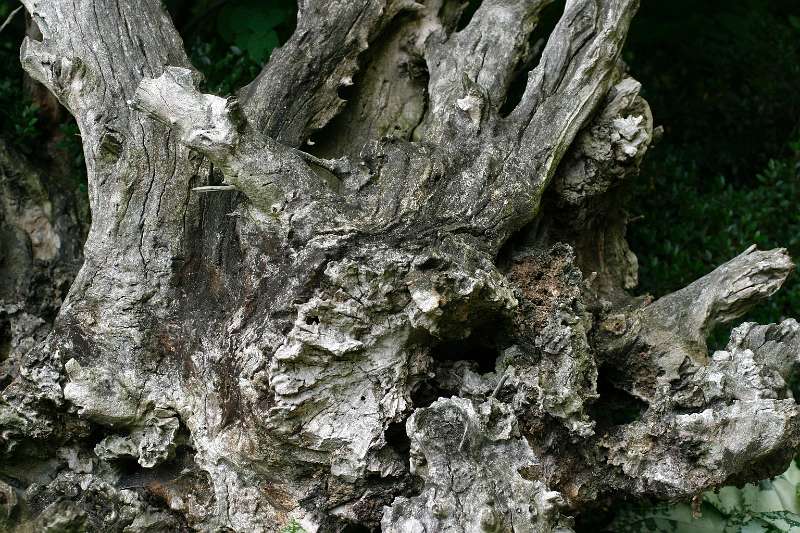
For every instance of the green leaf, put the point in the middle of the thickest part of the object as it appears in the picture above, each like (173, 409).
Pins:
(669, 519)
(769, 507)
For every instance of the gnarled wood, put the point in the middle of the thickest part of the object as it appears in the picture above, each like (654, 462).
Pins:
(348, 334)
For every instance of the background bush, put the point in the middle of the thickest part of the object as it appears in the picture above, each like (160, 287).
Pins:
(230, 40)
(19, 117)
(723, 78)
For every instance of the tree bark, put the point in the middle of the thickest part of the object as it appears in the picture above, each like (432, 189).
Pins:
(420, 320)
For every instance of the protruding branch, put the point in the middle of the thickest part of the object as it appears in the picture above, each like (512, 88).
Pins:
(576, 71)
(215, 188)
(470, 72)
(579, 58)
(666, 340)
(573, 76)
(204, 122)
(296, 92)
(265, 171)
(9, 18)
(723, 295)
(66, 77)
(91, 57)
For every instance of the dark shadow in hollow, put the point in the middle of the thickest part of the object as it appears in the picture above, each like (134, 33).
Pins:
(357, 528)
(397, 439)
(614, 407)
(548, 19)
(480, 349)
(468, 10)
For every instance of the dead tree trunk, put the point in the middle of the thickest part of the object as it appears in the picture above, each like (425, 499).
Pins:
(391, 312)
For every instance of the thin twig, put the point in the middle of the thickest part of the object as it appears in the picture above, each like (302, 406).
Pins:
(8, 20)
(500, 383)
(214, 188)
(337, 167)
(464, 436)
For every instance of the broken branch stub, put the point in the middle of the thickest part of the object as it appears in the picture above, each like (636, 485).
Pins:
(668, 337)
(204, 122)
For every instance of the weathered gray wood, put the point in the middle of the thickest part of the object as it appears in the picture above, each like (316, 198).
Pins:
(258, 346)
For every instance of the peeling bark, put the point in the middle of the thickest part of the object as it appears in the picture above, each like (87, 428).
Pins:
(403, 326)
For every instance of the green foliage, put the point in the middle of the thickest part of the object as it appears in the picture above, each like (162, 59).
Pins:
(771, 506)
(225, 68)
(691, 225)
(71, 145)
(293, 527)
(19, 117)
(230, 40)
(722, 78)
(252, 25)
(22, 118)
